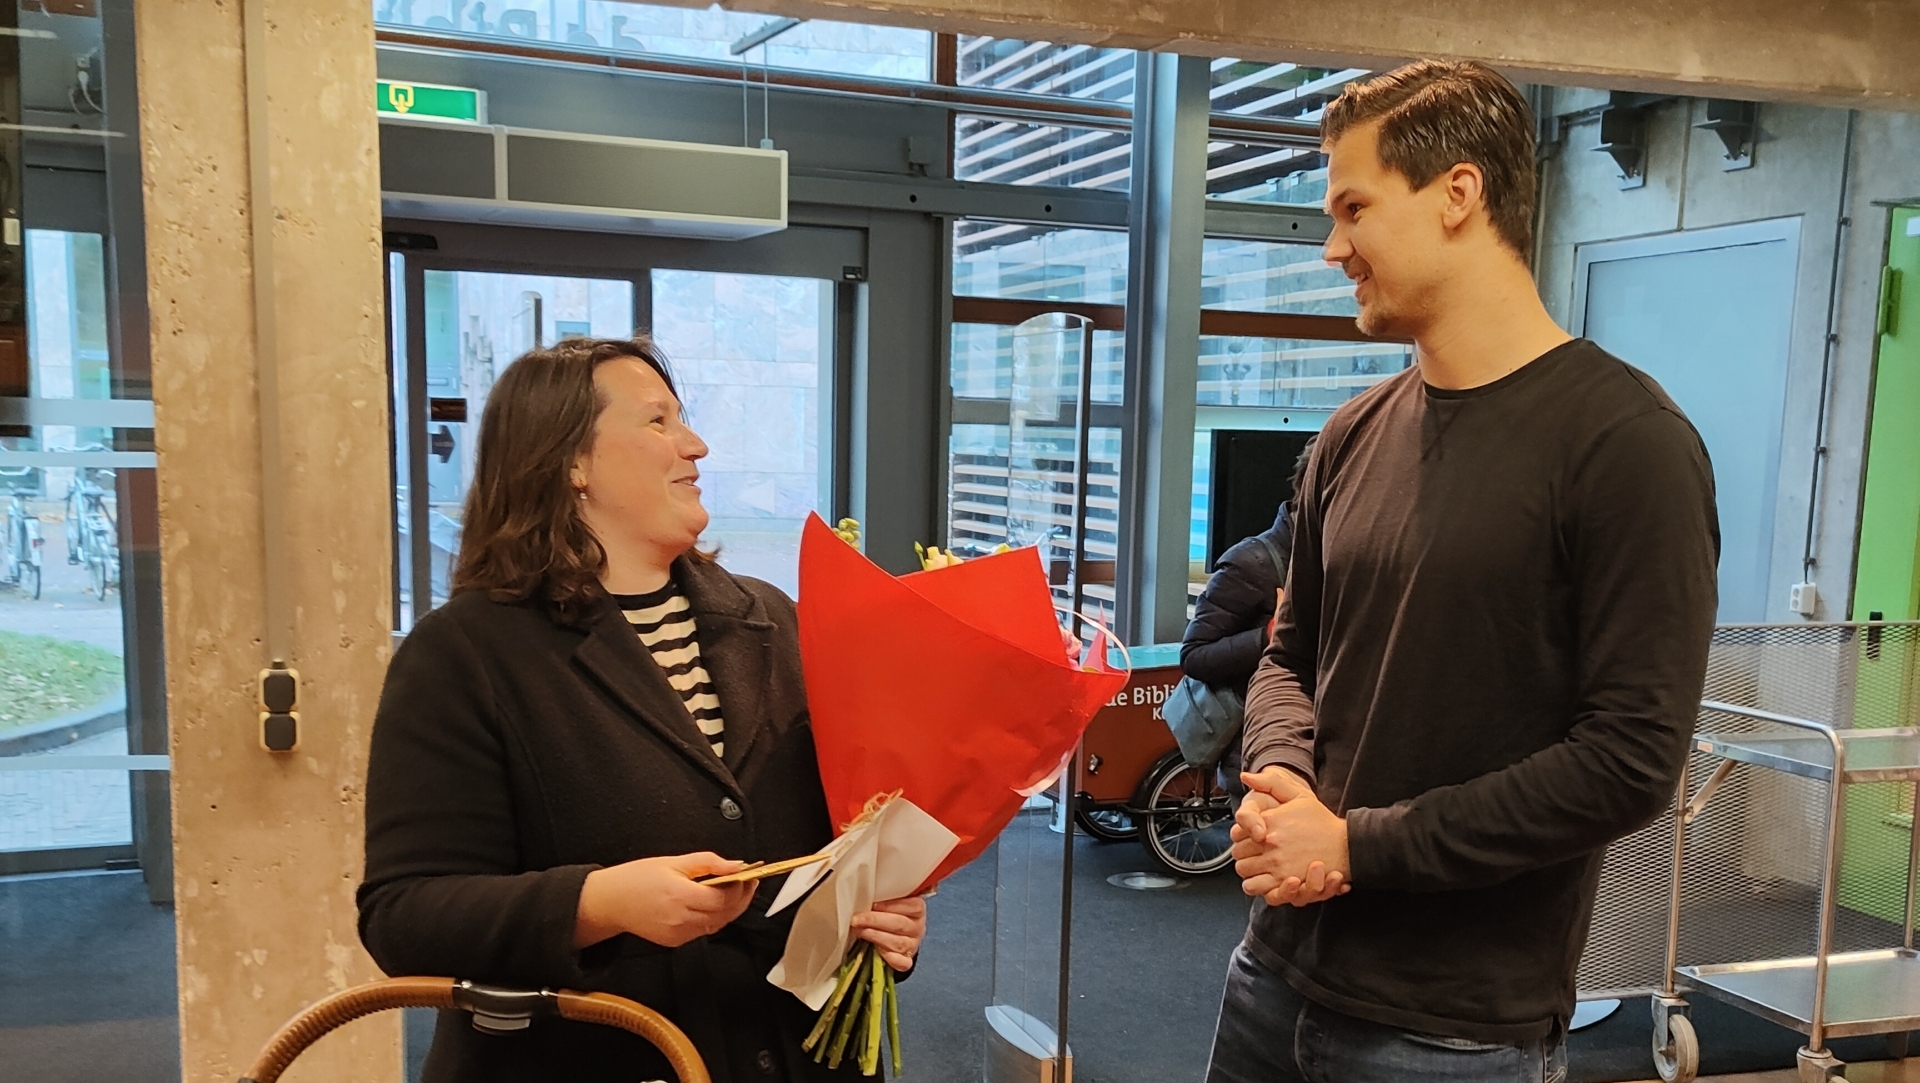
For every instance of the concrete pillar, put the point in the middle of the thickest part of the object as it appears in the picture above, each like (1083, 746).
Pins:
(1167, 230)
(267, 848)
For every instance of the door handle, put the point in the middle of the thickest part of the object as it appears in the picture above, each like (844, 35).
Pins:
(1887, 321)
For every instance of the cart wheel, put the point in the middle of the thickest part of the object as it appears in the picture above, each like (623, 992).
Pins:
(1107, 824)
(1679, 1060)
(1186, 831)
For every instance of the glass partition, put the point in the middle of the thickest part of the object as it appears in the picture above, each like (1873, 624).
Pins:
(1262, 276)
(1296, 373)
(1247, 173)
(1041, 67)
(1038, 263)
(1026, 152)
(1028, 1012)
(1028, 1015)
(86, 875)
(70, 484)
(1044, 439)
(1276, 89)
(1251, 173)
(982, 366)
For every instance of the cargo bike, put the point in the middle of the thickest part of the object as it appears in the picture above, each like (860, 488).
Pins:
(1134, 784)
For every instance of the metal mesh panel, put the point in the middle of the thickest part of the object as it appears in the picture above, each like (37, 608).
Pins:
(1750, 879)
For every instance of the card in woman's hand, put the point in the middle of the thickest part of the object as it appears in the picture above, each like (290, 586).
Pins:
(760, 870)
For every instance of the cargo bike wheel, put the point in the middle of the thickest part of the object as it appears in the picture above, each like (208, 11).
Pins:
(1106, 823)
(1185, 818)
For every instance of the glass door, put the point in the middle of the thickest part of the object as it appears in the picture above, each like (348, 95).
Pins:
(86, 862)
(751, 354)
(473, 325)
(758, 333)
(754, 333)
(76, 474)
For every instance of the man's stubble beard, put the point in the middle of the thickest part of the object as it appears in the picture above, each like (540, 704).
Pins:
(1380, 321)
(1400, 318)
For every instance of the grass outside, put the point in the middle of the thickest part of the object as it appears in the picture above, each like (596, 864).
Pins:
(42, 677)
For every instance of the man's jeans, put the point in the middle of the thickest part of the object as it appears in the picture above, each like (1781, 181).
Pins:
(1268, 1033)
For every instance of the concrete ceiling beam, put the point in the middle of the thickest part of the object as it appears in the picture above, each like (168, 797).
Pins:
(1847, 53)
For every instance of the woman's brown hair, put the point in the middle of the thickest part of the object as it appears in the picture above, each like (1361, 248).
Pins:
(523, 532)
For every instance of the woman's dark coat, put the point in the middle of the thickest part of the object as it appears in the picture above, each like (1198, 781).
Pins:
(514, 753)
(1228, 633)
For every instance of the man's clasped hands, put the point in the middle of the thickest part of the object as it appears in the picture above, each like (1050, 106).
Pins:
(1287, 846)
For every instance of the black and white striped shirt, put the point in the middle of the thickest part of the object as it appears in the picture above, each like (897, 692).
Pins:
(665, 623)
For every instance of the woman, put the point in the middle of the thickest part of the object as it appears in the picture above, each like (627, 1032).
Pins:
(1233, 617)
(600, 716)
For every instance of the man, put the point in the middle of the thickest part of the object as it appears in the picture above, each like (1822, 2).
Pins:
(1493, 640)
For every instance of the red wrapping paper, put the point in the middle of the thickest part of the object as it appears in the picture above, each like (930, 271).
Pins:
(952, 686)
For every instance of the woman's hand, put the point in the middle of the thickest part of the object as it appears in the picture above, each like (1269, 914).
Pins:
(656, 899)
(896, 928)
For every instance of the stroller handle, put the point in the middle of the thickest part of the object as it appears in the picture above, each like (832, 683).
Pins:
(494, 1009)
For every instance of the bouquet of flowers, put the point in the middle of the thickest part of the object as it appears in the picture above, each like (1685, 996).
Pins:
(940, 701)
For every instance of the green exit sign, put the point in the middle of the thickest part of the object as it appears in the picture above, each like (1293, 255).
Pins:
(433, 102)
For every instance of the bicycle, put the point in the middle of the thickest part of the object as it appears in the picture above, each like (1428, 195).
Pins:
(93, 535)
(23, 545)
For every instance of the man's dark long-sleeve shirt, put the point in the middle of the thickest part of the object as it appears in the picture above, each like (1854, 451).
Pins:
(1489, 660)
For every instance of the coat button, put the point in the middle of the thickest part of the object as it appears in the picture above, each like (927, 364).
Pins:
(729, 808)
(765, 1061)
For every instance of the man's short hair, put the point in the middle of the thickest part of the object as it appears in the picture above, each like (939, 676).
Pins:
(1435, 114)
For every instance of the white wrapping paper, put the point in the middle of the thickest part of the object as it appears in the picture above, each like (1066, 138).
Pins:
(885, 858)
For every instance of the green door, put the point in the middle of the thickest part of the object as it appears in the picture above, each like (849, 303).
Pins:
(1887, 573)
(1887, 582)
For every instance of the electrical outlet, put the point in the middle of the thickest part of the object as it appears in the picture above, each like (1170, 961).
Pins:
(279, 714)
(1804, 599)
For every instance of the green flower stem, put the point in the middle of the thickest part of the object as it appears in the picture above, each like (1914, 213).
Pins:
(863, 1011)
(876, 1013)
(893, 1019)
(849, 1012)
(831, 1009)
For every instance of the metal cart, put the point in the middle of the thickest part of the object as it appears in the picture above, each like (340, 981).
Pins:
(1830, 994)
